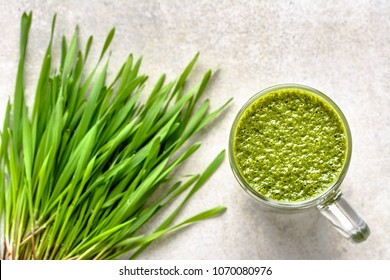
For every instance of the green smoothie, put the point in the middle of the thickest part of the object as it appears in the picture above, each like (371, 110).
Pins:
(290, 145)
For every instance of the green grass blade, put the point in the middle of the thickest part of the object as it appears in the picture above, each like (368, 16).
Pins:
(19, 99)
(107, 43)
(183, 77)
(70, 56)
(88, 48)
(134, 242)
(205, 121)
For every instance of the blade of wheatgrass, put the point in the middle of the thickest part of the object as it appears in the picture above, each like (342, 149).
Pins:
(43, 179)
(124, 73)
(3, 180)
(156, 89)
(185, 155)
(47, 128)
(134, 242)
(199, 91)
(210, 117)
(52, 144)
(90, 107)
(200, 182)
(69, 58)
(134, 71)
(88, 48)
(2, 200)
(5, 135)
(64, 47)
(183, 77)
(76, 77)
(202, 87)
(66, 136)
(19, 101)
(149, 162)
(171, 100)
(85, 86)
(55, 83)
(107, 43)
(41, 92)
(15, 174)
(19, 224)
(75, 120)
(28, 151)
(190, 128)
(197, 123)
(107, 97)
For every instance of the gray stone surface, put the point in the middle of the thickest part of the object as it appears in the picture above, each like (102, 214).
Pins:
(341, 48)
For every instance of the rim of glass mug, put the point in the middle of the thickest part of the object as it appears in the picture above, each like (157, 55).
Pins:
(331, 192)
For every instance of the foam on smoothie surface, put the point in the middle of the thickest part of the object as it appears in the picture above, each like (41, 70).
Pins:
(290, 145)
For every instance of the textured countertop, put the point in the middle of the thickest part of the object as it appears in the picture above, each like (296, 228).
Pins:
(341, 48)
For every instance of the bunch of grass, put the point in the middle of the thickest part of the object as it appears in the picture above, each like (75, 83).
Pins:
(77, 177)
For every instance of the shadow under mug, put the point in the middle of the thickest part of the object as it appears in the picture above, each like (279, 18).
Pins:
(331, 203)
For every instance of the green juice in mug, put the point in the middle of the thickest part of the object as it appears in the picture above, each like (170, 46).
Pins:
(290, 145)
(289, 148)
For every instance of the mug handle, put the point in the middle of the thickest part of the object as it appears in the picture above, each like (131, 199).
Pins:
(344, 218)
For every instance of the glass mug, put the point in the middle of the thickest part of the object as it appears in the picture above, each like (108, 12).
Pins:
(331, 203)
